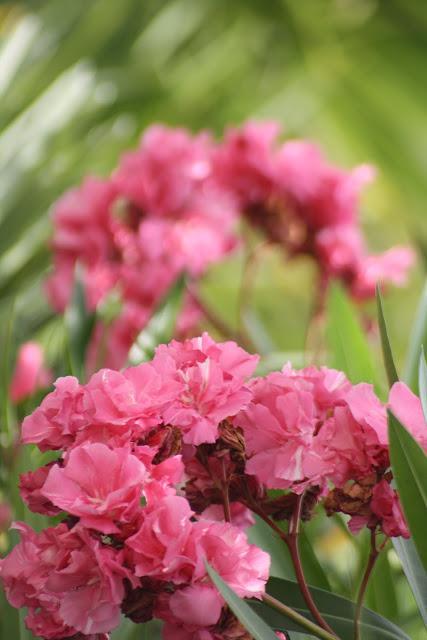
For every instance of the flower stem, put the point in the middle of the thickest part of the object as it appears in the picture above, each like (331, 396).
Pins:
(298, 618)
(373, 555)
(291, 540)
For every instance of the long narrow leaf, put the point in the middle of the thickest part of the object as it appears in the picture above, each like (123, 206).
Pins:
(392, 375)
(249, 619)
(409, 464)
(337, 611)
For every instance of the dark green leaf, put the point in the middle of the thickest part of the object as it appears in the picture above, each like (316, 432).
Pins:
(79, 324)
(390, 368)
(161, 325)
(409, 464)
(249, 619)
(337, 611)
(348, 347)
(262, 536)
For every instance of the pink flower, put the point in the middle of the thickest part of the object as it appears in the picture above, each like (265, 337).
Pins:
(281, 422)
(164, 175)
(211, 378)
(30, 488)
(244, 161)
(407, 408)
(100, 498)
(160, 547)
(134, 397)
(303, 428)
(241, 517)
(30, 373)
(54, 424)
(386, 506)
(322, 194)
(243, 566)
(392, 267)
(82, 233)
(68, 581)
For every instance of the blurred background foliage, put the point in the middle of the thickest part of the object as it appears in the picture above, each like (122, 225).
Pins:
(80, 80)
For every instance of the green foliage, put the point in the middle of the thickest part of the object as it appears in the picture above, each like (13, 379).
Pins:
(250, 620)
(409, 464)
(390, 367)
(349, 349)
(337, 611)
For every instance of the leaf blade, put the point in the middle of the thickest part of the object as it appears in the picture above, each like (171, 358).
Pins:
(249, 619)
(409, 464)
(391, 371)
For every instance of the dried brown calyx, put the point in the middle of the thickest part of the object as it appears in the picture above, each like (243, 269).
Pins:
(138, 604)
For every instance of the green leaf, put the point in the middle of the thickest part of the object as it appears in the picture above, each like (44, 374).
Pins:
(249, 619)
(79, 324)
(422, 382)
(414, 571)
(336, 610)
(390, 368)
(262, 536)
(409, 464)
(417, 340)
(348, 347)
(160, 327)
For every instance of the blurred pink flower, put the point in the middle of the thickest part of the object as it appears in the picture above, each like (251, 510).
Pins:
(30, 374)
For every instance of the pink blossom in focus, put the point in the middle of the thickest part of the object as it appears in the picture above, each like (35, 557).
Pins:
(211, 377)
(54, 424)
(386, 506)
(67, 580)
(30, 374)
(241, 516)
(99, 485)
(30, 488)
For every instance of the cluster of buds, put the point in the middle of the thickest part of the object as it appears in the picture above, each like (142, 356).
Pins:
(158, 470)
(173, 205)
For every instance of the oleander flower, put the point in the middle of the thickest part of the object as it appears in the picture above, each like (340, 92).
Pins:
(211, 378)
(54, 424)
(68, 581)
(101, 486)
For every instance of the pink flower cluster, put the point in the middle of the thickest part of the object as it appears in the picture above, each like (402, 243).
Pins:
(172, 205)
(306, 205)
(157, 468)
(161, 213)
